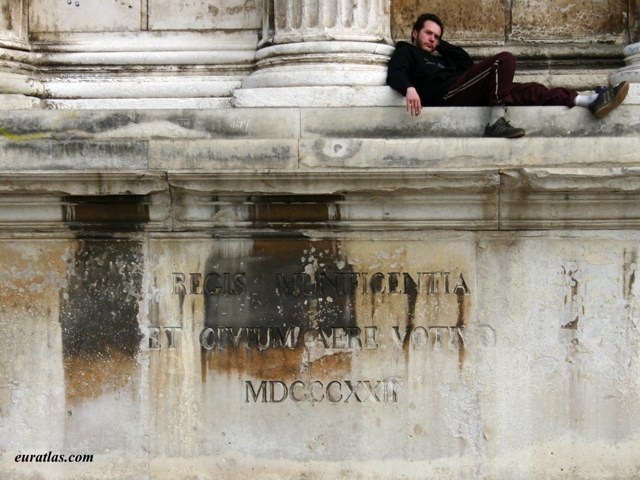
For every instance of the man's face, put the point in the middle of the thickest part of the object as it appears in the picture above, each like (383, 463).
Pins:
(428, 37)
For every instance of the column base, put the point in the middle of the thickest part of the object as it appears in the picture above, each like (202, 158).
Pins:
(19, 102)
(317, 96)
(319, 74)
(630, 73)
(183, 70)
(141, 92)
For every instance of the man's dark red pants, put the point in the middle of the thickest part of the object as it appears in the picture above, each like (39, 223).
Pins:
(490, 83)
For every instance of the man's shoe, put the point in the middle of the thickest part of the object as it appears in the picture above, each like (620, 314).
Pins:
(502, 129)
(609, 99)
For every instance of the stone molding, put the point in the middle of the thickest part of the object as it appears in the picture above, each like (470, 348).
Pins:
(488, 199)
(364, 164)
(133, 70)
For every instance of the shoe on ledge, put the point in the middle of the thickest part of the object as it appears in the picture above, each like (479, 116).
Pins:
(503, 129)
(609, 99)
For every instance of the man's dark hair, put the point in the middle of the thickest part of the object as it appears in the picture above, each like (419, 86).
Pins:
(428, 16)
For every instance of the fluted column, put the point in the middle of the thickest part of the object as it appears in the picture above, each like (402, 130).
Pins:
(313, 20)
(316, 52)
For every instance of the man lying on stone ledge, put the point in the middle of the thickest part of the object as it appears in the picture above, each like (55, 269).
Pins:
(434, 72)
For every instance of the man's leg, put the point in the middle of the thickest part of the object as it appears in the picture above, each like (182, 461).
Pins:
(490, 83)
(608, 99)
(484, 84)
(600, 104)
(534, 94)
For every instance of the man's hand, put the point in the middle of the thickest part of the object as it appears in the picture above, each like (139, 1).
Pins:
(414, 106)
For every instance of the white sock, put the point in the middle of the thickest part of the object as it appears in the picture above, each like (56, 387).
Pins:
(496, 114)
(583, 100)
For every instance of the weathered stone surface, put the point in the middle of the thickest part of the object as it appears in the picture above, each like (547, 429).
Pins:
(451, 397)
(567, 20)
(83, 16)
(147, 124)
(484, 20)
(71, 154)
(319, 96)
(464, 153)
(13, 24)
(413, 366)
(426, 200)
(223, 154)
(560, 199)
(209, 169)
(436, 123)
(19, 102)
(197, 15)
(293, 139)
(86, 392)
(523, 20)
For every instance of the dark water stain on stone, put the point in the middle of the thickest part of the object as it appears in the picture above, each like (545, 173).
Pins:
(99, 317)
(110, 121)
(629, 268)
(283, 210)
(411, 291)
(110, 213)
(460, 324)
(287, 283)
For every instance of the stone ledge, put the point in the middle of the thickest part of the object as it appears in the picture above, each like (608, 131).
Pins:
(297, 140)
(366, 168)
(318, 96)
(343, 122)
(340, 154)
(445, 122)
(110, 104)
(555, 198)
(373, 200)
(462, 153)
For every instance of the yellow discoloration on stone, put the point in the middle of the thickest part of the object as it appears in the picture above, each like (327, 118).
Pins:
(18, 138)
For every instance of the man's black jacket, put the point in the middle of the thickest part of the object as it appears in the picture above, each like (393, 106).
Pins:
(431, 75)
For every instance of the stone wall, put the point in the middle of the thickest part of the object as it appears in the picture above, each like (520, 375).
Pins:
(493, 21)
(226, 251)
(488, 21)
(319, 292)
(55, 16)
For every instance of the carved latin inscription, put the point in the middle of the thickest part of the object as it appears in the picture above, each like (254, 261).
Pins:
(334, 391)
(325, 283)
(333, 338)
(297, 317)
